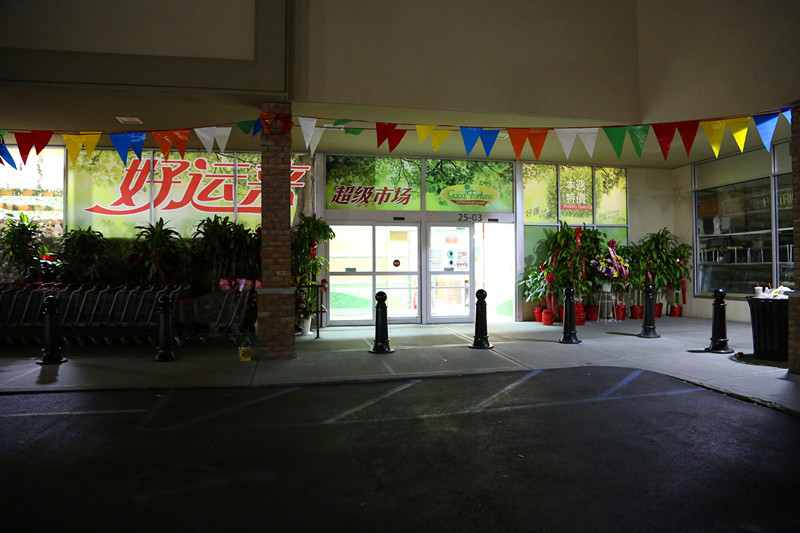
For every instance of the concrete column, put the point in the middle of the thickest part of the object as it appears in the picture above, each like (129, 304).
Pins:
(276, 297)
(794, 303)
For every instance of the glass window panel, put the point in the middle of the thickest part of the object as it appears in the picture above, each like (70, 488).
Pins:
(734, 238)
(402, 295)
(448, 249)
(35, 188)
(248, 191)
(373, 183)
(351, 297)
(351, 249)
(533, 236)
(576, 195)
(450, 295)
(396, 248)
(540, 193)
(785, 231)
(618, 234)
(494, 268)
(612, 195)
(108, 195)
(469, 186)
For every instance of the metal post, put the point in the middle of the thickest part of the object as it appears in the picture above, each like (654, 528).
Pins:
(569, 336)
(649, 321)
(381, 326)
(165, 353)
(481, 339)
(51, 349)
(719, 330)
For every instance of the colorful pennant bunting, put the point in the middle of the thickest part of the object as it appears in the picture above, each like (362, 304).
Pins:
(85, 139)
(518, 136)
(616, 136)
(638, 135)
(766, 124)
(25, 141)
(470, 137)
(388, 131)
(307, 125)
(315, 137)
(488, 138)
(164, 140)
(739, 127)
(588, 137)
(688, 130)
(246, 125)
(438, 137)
(567, 138)
(423, 132)
(665, 133)
(715, 130)
(5, 155)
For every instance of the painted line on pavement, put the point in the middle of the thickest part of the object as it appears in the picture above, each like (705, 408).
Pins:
(3, 384)
(76, 413)
(630, 377)
(364, 405)
(508, 388)
(234, 408)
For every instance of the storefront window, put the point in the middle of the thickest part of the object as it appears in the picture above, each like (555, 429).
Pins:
(612, 195)
(372, 183)
(473, 186)
(576, 195)
(784, 197)
(35, 188)
(540, 193)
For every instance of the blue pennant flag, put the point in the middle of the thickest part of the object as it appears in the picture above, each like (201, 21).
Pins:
(257, 127)
(122, 142)
(6, 155)
(470, 137)
(488, 137)
(766, 127)
(788, 115)
(137, 142)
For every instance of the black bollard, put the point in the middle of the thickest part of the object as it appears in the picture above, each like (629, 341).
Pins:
(481, 339)
(649, 321)
(381, 326)
(569, 335)
(719, 330)
(51, 349)
(165, 353)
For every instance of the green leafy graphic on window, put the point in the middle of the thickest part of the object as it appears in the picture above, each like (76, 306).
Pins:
(540, 193)
(476, 186)
(370, 183)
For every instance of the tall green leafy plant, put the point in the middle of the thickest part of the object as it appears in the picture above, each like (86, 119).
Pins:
(668, 259)
(25, 256)
(224, 249)
(306, 264)
(159, 255)
(84, 256)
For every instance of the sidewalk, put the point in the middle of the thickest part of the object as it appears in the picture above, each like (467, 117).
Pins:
(342, 355)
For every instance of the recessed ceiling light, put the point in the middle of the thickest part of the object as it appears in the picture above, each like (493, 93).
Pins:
(129, 120)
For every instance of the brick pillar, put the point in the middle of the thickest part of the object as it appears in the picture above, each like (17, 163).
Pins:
(794, 303)
(276, 297)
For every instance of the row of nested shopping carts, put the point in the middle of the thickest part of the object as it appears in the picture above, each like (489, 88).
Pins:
(127, 314)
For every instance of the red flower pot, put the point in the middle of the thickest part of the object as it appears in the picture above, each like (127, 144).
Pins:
(547, 317)
(676, 311)
(537, 314)
(560, 313)
(580, 319)
(637, 312)
(619, 312)
(659, 307)
(592, 312)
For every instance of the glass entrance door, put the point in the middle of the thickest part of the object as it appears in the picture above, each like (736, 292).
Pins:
(450, 274)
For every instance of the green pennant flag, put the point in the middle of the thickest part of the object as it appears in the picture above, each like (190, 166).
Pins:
(246, 125)
(340, 121)
(638, 137)
(354, 131)
(3, 132)
(616, 137)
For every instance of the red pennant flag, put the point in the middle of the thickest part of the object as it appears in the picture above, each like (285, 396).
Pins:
(181, 138)
(665, 133)
(383, 130)
(267, 118)
(688, 131)
(24, 144)
(286, 123)
(536, 138)
(395, 136)
(518, 137)
(164, 142)
(40, 140)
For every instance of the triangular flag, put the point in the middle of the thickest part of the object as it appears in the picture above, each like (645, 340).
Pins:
(24, 144)
(438, 137)
(307, 125)
(395, 136)
(766, 125)
(688, 130)
(40, 140)
(181, 138)
(715, 130)
(267, 118)
(316, 135)
(470, 137)
(588, 137)
(258, 127)
(206, 136)
(340, 121)
(221, 135)
(382, 130)
(488, 138)
(616, 136)
(739, 127)
(665, 132)
(164, 142)
(423, 132)
(518, 136)
(3, 132)
(122, 142)
(6, 155)
(353, 131)
(90, 140)
(137, 142)
(638, 137)
(246, 125)
(286, 123)
(788, 115)
(536, 138)
(567, 138)
(73, 144)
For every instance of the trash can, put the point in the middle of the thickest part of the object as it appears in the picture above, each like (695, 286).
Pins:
(770, 320)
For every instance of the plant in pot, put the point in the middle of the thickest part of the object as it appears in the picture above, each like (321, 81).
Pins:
(306, 265)
(25, 256)
(84, 256)
(159, 254)
(637, 271)
(610, 271)
(534, 286)
(223, 252)
(657, 251)
(678, 273)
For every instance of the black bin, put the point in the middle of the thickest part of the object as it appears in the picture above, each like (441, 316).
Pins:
(770, 321)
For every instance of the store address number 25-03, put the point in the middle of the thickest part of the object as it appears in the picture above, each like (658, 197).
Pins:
(470, 217)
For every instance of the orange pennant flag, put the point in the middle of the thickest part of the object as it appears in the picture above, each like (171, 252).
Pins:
(518, 136)
(536, 138)
(181, 139)
(164, 142)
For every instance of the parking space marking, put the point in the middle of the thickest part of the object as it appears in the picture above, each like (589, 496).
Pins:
(364, 405)
(630, 377)
(76, 413)
(234, 408)
(508, 388)
(598, 399)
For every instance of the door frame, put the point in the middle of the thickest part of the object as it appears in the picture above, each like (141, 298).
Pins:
(426, 274)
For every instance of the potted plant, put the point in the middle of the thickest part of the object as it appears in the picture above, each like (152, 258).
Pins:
(24, 253)
(84, 256)
(224, 251)
(610, 271)
(660, 252)
(678, 273)
(306, 265)
(636, 278)
(534, 286)
(159, 254)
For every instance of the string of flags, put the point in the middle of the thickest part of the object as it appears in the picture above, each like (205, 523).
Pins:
(391, 134)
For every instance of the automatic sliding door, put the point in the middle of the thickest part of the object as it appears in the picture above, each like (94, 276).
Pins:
(450, 274)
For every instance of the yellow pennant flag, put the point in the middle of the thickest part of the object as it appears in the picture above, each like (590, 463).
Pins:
(715, 130)
(739, 127)
(74, 143)
(438, 137)
(423, 132)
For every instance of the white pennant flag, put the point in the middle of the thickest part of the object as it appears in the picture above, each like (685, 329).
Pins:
(315, 137)
(307, 125)
(588, 137)
(206, 136)
(221, 135)
(567, 138)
